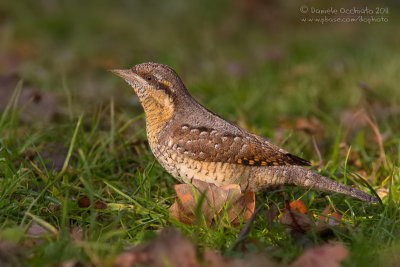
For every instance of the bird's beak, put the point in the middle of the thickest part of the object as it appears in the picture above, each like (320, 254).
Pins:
(125, 74)
(132, 78)
(129, 76)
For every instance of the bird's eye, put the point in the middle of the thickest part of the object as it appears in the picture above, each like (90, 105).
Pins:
(149, 77)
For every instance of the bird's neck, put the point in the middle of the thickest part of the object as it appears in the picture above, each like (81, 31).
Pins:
(157, 114)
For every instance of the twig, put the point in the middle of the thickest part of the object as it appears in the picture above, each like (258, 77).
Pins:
(321, 162)
(246, 229)
(379, 139)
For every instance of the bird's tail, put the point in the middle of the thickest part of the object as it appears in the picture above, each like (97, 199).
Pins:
(300, 176)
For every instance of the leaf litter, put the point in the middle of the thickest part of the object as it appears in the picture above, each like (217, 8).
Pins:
(170, 248)
(296, 218)
(329, 255)
(212, 202)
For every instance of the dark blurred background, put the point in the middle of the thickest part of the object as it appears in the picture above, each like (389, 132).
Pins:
(323, 86)
(237, 57)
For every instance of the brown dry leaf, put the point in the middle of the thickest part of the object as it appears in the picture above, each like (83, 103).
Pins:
(245, 204)
(382, 192)
(295, 220)
(329, 255)
(332, 221)
(170, 248)
(37, 230)
(294, 216)
(298, 205)
(84, 202)
(217, 200)
(271, 214)
(213, 259)
(324, 219)
(184, 209)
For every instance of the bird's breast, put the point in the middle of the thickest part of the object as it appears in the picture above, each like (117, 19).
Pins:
(157, 117)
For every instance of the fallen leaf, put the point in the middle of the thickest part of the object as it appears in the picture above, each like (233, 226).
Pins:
(36, 230)
(335, 220)
(295, 220)
(217, 200)
(270, 215)
(170, 248)
(84, 202)
(325, 219)
(294, 216)
(382, 192)
(245, 204)
(329, 255)
(37, 233)
(298, 205)
(214, 259)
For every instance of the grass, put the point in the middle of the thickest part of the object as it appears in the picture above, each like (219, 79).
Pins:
(238, 67)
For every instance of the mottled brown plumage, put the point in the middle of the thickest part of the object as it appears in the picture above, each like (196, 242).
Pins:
(191, 142)
(211, 144)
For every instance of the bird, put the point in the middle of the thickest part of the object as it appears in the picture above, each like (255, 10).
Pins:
(191, 142)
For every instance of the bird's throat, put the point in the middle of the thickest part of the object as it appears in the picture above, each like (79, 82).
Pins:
(157, 115)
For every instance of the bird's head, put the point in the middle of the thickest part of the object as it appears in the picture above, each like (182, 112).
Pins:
(154, 83)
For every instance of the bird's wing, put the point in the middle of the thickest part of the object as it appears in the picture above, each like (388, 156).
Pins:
(208, 144)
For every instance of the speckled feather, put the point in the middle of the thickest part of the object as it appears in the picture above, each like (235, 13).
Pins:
(216, 143)
(191, 142)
